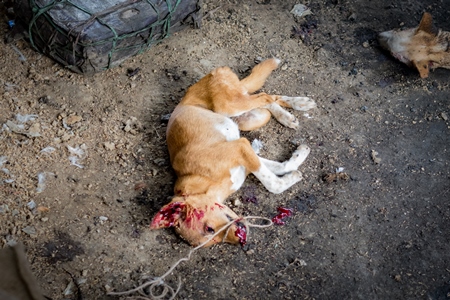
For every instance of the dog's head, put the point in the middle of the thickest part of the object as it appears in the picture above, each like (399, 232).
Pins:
(196, 221)
(420, 47)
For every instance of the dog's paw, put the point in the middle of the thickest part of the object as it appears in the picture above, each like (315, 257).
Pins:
(292, 123)
(283, 116)
(289, 120)
(293, 177)
(298, 157)
(300, 103)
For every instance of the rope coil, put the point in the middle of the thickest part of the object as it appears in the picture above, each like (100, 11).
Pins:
(155, 282)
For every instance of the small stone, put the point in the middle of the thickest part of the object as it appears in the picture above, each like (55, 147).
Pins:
(73, 119)
(352, 17)
(165, 118)
(31, 205)
(109, 146)
(366, 44)
(67, 136)
(30, 230)
(237, 202)
(444, 116)
(375, 158)
(398, 278)
(34, 130)
(284, 67)
(44, 219)
(159, 161)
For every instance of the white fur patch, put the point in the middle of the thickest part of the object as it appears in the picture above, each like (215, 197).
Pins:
(229, 129)
(237, 177)
(275, 184)
(257, 145)
(300, 103)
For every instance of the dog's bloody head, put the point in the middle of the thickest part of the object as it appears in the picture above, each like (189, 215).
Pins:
(419, 47)
(196, 222)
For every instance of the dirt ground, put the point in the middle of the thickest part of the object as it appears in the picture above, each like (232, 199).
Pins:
(381, 230)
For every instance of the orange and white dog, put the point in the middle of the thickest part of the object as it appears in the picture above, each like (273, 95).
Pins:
(212, 161)
(423, 47)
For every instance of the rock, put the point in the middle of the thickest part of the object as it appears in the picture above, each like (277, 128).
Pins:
(30, 230)
(73, 119)
(375, 158)
(159, 161)
(109, 146)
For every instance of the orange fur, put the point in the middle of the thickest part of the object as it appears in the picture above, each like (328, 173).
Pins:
(211, 160)
(423, 47)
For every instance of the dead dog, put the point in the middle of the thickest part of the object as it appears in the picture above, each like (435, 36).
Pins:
(423, 47)
(210, 158)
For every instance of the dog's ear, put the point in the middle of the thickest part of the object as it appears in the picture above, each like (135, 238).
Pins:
(169, 215)
(422, 67)
(426, 25)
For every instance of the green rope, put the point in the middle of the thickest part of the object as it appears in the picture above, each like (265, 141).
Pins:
(63, 44)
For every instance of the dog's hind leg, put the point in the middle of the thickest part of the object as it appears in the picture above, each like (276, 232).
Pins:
(259, 74)
(253, 119)
(297, 103)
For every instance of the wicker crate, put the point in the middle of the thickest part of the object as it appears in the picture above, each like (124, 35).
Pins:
(92, 36)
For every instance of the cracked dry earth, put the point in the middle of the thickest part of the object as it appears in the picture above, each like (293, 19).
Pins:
(82, 178)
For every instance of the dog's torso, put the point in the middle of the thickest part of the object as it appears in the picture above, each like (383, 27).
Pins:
(196, 137)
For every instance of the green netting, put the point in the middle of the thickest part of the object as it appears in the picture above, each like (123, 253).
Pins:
(91, 36)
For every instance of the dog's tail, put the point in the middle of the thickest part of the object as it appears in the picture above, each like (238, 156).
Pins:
(259, 74)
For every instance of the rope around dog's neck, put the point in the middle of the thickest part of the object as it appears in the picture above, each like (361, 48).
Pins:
(159, 281)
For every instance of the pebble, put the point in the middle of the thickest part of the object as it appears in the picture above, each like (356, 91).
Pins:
(31, 205)
(29, 230)
(375, 158)
(444, 116)
(159, 161)
(70, 120)
(109, 146)
(237, 202)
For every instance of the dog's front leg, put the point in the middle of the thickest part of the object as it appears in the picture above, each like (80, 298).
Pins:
(274, 183)
(281, 168)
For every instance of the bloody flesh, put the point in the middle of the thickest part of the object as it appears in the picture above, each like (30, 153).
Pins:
(193, 217)
(241, 233)
(168, 215)
(282, 213)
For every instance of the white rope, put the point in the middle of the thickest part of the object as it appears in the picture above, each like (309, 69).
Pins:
(159, 281)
